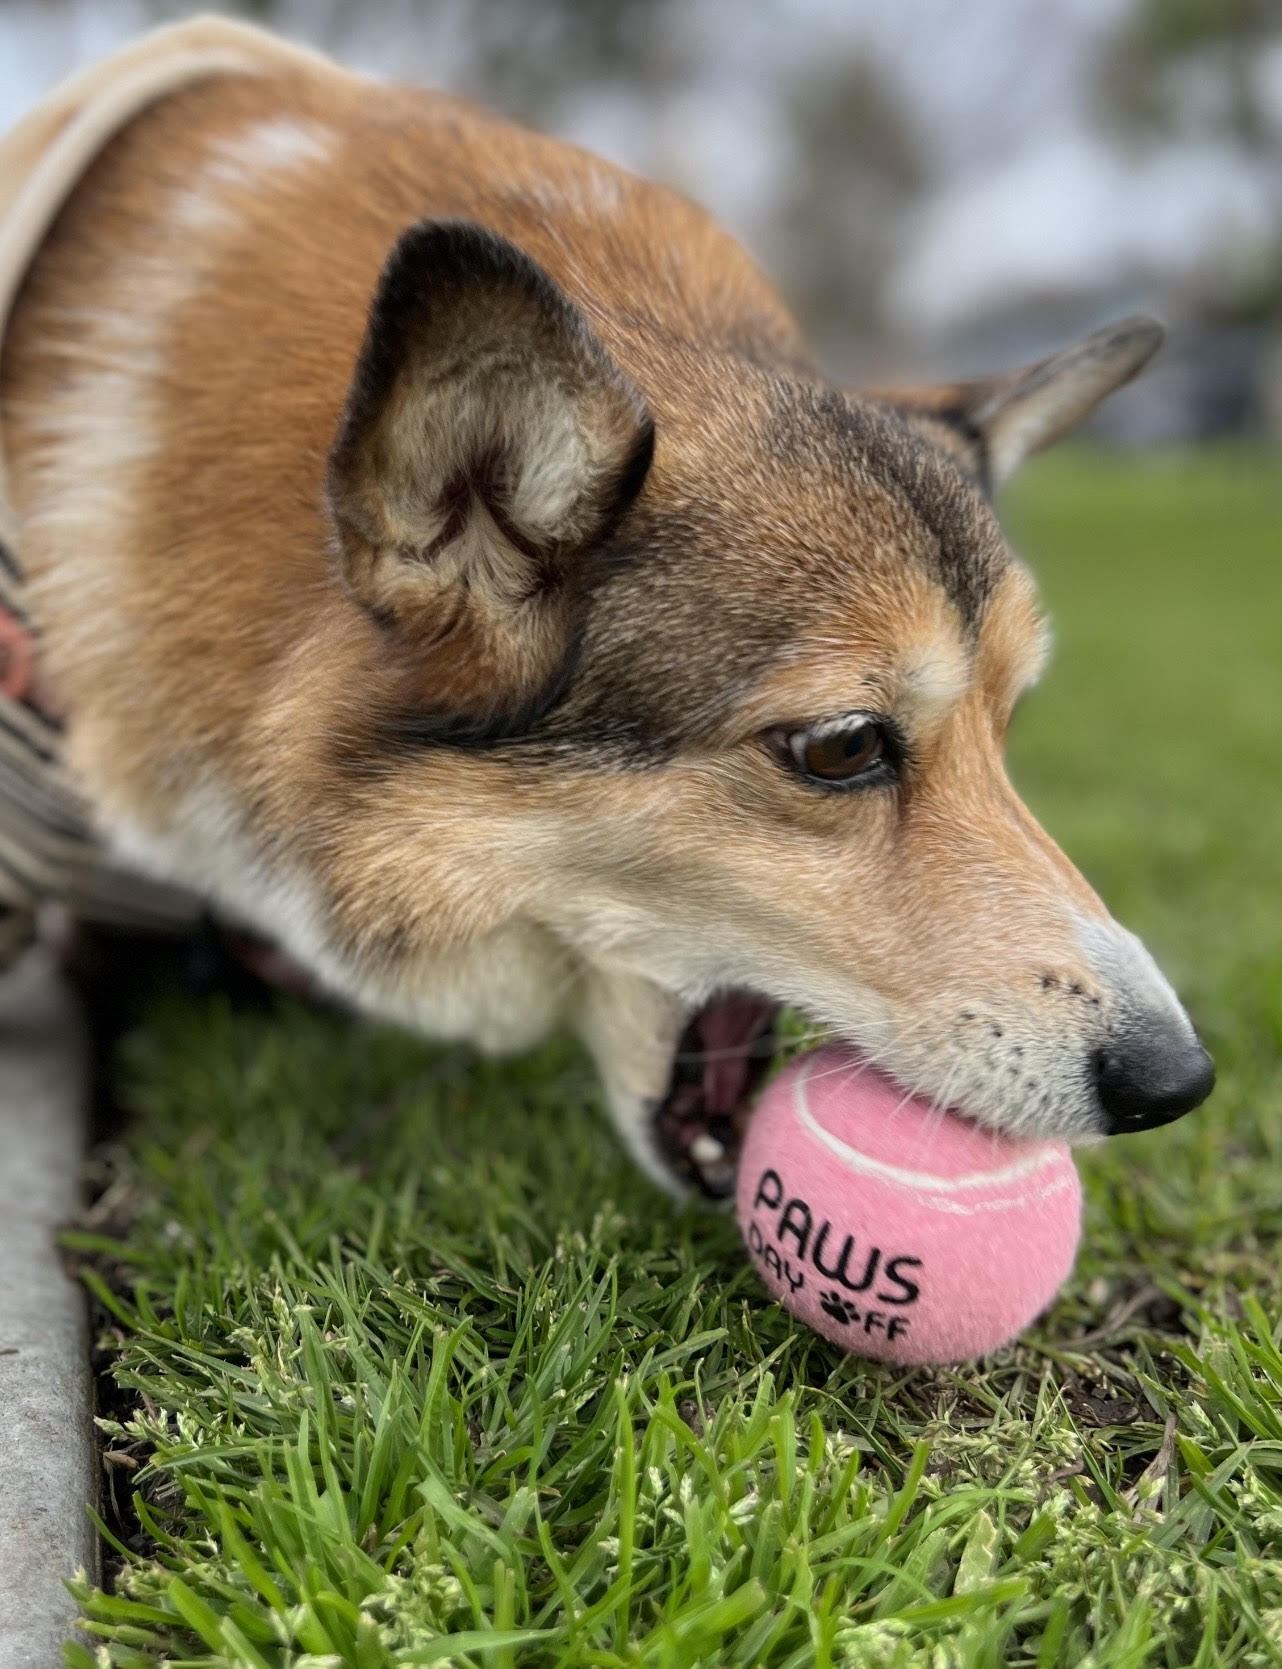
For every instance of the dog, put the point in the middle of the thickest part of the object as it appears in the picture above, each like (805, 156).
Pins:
(451, 566)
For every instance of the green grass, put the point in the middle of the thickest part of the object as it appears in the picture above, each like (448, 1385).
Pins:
(411, 1368)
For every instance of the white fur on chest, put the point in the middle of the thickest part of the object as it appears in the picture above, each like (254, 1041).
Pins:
(503, 992)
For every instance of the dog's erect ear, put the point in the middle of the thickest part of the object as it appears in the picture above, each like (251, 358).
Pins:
(488, 445)
(995, 424)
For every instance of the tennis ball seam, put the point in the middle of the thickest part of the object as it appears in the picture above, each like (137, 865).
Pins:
(922, 1184)
(974, 1208)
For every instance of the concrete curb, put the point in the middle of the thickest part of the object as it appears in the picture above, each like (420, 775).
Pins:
(48, 1459)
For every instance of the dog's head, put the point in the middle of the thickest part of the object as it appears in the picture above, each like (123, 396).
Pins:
(714, 664)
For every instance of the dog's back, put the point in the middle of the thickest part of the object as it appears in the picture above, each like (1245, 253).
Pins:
(187, 334)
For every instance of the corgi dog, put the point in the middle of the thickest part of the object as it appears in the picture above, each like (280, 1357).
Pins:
(451, 565)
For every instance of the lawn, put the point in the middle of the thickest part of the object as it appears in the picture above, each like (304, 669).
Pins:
(405, 1365)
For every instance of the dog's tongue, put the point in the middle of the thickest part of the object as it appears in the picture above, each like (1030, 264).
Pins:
(729, 1031)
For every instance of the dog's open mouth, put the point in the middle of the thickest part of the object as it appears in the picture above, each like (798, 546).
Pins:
(724, 1053)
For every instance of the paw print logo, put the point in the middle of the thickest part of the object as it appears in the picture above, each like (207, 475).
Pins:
(839, 1308)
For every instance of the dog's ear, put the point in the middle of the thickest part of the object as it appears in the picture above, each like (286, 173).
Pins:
(993, 425)
(488, 445)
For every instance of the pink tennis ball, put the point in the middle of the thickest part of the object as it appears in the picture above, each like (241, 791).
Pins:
(894, 1230)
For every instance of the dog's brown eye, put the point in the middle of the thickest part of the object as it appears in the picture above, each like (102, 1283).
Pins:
(839, 756)
(843, 754)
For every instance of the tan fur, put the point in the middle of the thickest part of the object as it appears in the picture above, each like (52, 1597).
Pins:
(173, 381)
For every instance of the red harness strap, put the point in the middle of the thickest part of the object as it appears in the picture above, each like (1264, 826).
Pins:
(17, 658)
(20, 675)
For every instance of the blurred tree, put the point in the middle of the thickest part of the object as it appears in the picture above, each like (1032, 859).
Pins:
(1197, 68)
(860, 168)
(1207, 70)
(1211, 70)
(528, 55)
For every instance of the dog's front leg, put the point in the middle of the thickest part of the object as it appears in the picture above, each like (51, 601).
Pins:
(631, 1026)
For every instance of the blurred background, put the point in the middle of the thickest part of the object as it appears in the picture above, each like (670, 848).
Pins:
(938, 188)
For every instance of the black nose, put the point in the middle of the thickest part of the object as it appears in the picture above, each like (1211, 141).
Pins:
(1150, 1077)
